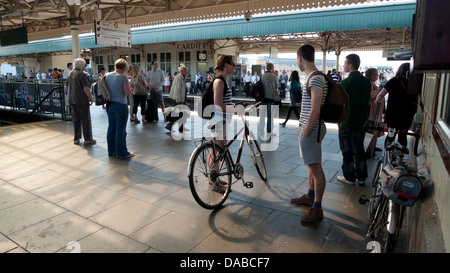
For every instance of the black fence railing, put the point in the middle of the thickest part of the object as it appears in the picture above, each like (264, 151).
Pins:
(34, 97)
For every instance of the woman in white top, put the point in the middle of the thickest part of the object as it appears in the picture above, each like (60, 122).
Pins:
(167, 83)
(222, 97)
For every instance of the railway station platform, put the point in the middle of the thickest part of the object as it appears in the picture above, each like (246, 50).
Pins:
(59, 197)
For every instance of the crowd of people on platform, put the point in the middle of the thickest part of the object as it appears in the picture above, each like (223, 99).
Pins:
(55, 74)
(366, 92)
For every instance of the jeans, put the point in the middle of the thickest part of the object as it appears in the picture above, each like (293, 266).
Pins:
(265, 109)
(117, 123)
(354, 165)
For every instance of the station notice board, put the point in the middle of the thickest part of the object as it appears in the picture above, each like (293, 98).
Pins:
(112, 33)
(25, 95)
(54, 103)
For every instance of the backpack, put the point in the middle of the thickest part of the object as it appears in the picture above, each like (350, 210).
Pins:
(103, 89)
(99, 100)
(336, 104)
(257, 91)
(207, 98)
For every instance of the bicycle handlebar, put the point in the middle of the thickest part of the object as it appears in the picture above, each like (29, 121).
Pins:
(250, 106)
(395, 146)
(370, 127)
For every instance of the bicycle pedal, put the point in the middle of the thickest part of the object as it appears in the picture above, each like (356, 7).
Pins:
(363, 199)
(248, 185)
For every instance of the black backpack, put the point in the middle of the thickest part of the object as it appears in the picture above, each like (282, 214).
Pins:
(207, 98)
(257, 91)
(336, 104)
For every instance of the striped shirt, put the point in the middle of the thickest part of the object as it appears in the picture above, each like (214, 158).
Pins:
(227, 101)
(316, 81)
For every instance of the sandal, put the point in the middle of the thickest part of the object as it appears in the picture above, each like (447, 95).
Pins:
(130, 155)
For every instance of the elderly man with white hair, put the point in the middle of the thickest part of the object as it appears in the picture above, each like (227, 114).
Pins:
(178, 93)
(80, 99)
(178, 89)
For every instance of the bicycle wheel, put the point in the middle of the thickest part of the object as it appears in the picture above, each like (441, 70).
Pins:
(378, 223)
(377, 188)
(395, 219)
(210, 176)
(257, 156)
(387, 240)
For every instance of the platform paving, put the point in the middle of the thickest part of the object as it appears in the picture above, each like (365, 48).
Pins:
(59, 197)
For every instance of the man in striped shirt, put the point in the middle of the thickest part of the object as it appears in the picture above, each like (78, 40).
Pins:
(310, 147)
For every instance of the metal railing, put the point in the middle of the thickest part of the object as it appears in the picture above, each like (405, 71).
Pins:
(36, 97)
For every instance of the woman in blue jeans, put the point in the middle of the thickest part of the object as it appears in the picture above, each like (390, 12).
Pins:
(117, 110)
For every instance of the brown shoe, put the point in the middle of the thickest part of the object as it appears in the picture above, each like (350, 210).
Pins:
(312, 215)
(303, 200)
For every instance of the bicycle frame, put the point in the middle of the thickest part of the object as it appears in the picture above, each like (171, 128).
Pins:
(246, 133)
(395, 212)
(245, 130)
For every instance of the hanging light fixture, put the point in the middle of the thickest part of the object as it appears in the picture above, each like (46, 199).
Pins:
(248, 14)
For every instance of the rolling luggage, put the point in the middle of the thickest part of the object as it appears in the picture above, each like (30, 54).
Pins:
(151, 114)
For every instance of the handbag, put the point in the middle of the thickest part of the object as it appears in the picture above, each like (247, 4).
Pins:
(139, 88)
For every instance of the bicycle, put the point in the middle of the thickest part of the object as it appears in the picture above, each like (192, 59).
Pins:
(394, 187)
(211, 167)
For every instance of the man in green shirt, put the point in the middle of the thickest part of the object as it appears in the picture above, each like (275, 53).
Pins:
(351, 131)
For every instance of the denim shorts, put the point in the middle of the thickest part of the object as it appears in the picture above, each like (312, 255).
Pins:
(310, 149)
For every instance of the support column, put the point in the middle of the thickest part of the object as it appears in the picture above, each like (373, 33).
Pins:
(338, 54)
(75, 41)
(73, 11)
(324, 61)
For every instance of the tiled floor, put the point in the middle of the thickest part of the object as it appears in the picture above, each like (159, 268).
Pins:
(54, 193)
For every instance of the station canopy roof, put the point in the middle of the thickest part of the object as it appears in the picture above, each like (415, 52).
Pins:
(330, 24)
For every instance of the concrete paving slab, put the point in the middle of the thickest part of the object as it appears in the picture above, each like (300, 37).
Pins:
(55, 233)
(6, 245)
(129, 216)
(26, 214)
(92, 202)
(62, 190)
(61, 196)
(174, 233)
(12, 196)
(151, 190)
(105, 241)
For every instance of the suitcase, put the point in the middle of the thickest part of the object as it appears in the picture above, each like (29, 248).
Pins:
(151, 114)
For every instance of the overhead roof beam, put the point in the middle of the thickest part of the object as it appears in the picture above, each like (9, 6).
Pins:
(338, 21)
